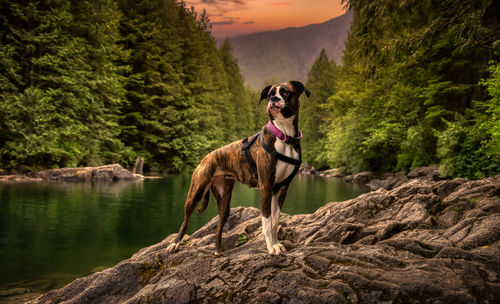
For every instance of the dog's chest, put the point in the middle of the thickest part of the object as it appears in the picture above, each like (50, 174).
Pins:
(283, 169)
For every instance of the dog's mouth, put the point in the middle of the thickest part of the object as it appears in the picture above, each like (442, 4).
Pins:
(273, 108)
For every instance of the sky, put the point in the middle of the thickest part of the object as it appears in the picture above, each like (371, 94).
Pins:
(237, 17)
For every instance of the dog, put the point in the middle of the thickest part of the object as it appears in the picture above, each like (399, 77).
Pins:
(268, 160)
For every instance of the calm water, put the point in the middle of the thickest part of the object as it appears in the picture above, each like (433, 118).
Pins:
(51, 234)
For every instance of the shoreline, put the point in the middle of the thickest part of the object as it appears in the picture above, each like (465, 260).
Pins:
(106, 173)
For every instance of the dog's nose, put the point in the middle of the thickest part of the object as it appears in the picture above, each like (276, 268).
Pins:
(275, 99)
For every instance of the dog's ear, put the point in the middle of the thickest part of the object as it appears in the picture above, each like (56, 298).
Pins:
(264, 93)
(300, 87)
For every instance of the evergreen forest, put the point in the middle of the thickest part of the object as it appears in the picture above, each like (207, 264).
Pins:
(92, 82)
(419, 85)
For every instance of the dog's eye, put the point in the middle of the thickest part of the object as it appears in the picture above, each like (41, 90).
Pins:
(285, 93)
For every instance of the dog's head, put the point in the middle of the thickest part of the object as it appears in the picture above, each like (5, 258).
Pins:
(283, 98)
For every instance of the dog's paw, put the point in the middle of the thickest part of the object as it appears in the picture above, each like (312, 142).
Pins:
(173, 247)
(277, 249)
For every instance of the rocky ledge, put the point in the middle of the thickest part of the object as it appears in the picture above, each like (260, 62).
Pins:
(390, 181)
(422, 242)
(108, 173)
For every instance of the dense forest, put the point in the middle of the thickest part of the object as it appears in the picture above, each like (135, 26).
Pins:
(420, 84)
(103, 81)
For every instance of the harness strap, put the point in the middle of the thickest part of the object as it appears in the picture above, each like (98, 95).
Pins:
(286, 181)
(286, 159)
(246, 144)
(279, 156)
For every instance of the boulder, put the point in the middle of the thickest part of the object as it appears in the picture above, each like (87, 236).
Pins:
(348, 178)
(335, 172)
(422, 242)
(388, 181)
(360, 178)
(431, 173)
(108, 173)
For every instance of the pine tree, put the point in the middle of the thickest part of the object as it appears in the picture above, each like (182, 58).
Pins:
(51, 63)
(321, 80)
(239, 96)
(97, 21)
(153, 116)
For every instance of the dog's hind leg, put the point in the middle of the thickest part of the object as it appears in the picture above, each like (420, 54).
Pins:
(222, 189)
(206, 197)
(199, 183)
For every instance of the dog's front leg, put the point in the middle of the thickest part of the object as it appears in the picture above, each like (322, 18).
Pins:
(278, 248)
(265, 211)
(270, 215)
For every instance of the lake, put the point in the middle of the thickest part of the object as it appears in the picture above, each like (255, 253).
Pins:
(52, 233)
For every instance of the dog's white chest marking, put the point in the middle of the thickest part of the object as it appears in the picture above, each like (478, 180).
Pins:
(283, 169)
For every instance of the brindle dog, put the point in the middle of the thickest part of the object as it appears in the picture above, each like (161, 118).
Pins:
(219, 169)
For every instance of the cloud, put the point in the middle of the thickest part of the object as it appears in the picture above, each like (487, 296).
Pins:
(281, 3)
(217, 2)
(249, 22)
(220, 6)
(219, 10)
(231, 18)
(222, 22)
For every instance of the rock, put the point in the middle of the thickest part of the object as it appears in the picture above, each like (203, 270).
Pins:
(348, 178)
(388, 181)
(18, 179)
(14, 292)
(360, 178)
(335, 172)
(18, 295)
(108, 173)
(422, 242)
(431, 173)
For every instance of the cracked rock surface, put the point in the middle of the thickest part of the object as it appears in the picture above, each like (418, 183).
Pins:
(422, 242)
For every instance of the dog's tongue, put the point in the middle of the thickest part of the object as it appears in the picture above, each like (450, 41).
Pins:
(273, 110)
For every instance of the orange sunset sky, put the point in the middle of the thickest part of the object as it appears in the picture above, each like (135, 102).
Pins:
(238, 17)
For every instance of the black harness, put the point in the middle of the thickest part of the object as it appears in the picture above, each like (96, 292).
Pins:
(246, 144)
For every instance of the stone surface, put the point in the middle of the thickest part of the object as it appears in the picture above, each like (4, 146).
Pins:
(422, 242)
(360, 178)
(388, 181)
(431, 173)
(18, 179)
(108, 173)
(335, 172)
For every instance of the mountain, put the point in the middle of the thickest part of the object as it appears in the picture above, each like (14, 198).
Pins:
(289, 53)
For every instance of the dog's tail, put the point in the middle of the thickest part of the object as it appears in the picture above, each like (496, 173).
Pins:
(206, 197)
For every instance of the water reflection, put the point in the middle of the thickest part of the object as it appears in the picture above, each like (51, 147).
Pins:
(59, 231)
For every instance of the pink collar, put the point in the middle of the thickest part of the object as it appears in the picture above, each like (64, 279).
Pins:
(277, 132)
